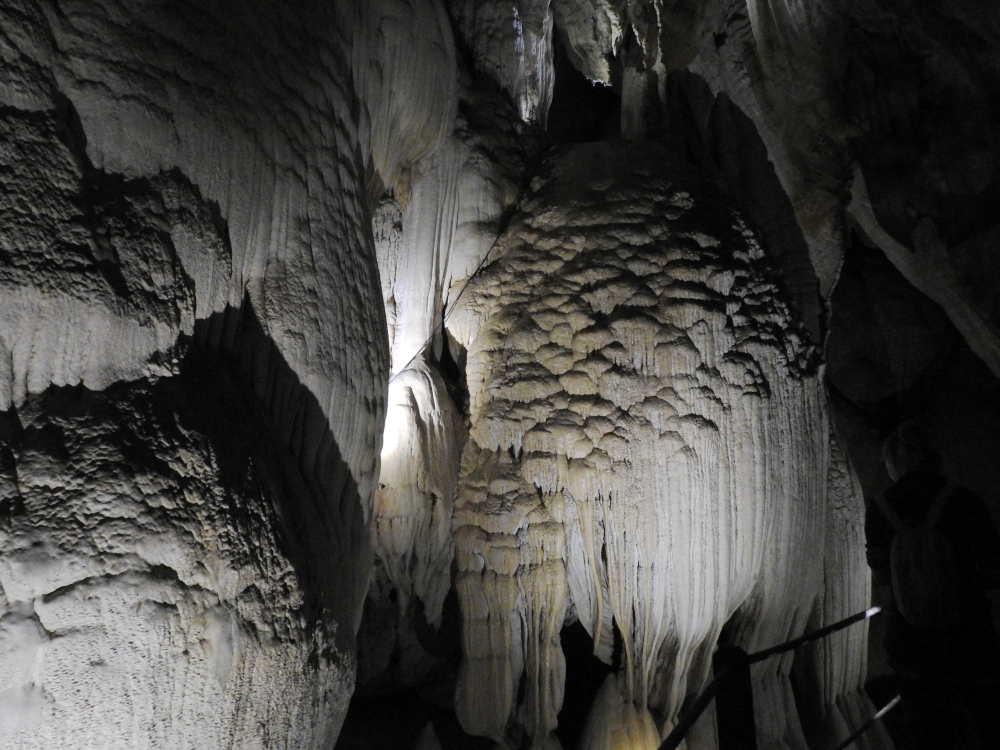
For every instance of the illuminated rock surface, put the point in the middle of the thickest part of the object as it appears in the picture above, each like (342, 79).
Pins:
(237, 364)
(167, 574)
(648, 444)
(187, 568)
(426, 254)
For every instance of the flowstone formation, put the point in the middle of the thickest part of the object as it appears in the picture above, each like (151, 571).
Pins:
(429, 239)
(192, 358)
(831, 672)
(166, 573)
(647, 453)
(232, 235)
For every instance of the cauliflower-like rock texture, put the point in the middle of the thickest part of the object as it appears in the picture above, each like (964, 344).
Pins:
(168, 575)
(648, 448)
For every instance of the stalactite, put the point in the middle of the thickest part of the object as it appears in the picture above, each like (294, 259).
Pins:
(512, 42)
(629, 356)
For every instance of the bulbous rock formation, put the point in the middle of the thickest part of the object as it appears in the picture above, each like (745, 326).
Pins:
(283, 285)
(185, 183)
(648, 447)
(166, 577)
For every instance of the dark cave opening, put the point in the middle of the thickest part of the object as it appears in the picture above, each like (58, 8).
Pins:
(581, 111)
(585, 674)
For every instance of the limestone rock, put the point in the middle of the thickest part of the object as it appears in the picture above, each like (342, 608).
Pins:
(158, 585)
(594, 32)
(426, 254)
(835, 667)
(196, 177)
(512, 42)
(416, 492)
(206, 423)
(648, 437)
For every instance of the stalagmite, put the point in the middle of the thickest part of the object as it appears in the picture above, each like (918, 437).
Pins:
(426, 251)
(617, 724)
(421, 441)
(633, 371)
(415, 497)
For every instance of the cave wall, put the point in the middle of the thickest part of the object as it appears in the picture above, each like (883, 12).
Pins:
(262, 267)
(802, 117)
(160, 587)
(182, 182)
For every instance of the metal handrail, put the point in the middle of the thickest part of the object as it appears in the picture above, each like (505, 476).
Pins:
(870, 723)
(813, 636)
(677, 734)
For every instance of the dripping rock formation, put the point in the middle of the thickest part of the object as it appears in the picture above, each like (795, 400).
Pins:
(648, 444)
(461, 373)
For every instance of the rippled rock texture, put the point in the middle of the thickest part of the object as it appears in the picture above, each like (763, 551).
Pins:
(193, 359)
(286, 288)
(648, 451)
(167, 578)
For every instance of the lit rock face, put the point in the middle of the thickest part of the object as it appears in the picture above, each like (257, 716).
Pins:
(183, 556)
(166, 576)
(415, 496)
(277, 135)
(648, 448)
(512, 42)
(791, 103)
(429, 240)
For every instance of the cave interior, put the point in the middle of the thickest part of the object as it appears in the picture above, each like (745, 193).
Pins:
(458, 374)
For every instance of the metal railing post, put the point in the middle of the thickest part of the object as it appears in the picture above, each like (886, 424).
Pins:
(733, 688)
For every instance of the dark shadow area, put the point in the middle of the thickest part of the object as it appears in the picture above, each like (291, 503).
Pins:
(245, 397)
(393, 703)
(585, 674)
(581, 111)
(717, 136)
(925, 104)
(445, 641)
(451, 365)
(895, 356)
(396, 720)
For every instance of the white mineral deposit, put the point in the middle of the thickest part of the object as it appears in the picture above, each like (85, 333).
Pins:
(447, 374)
